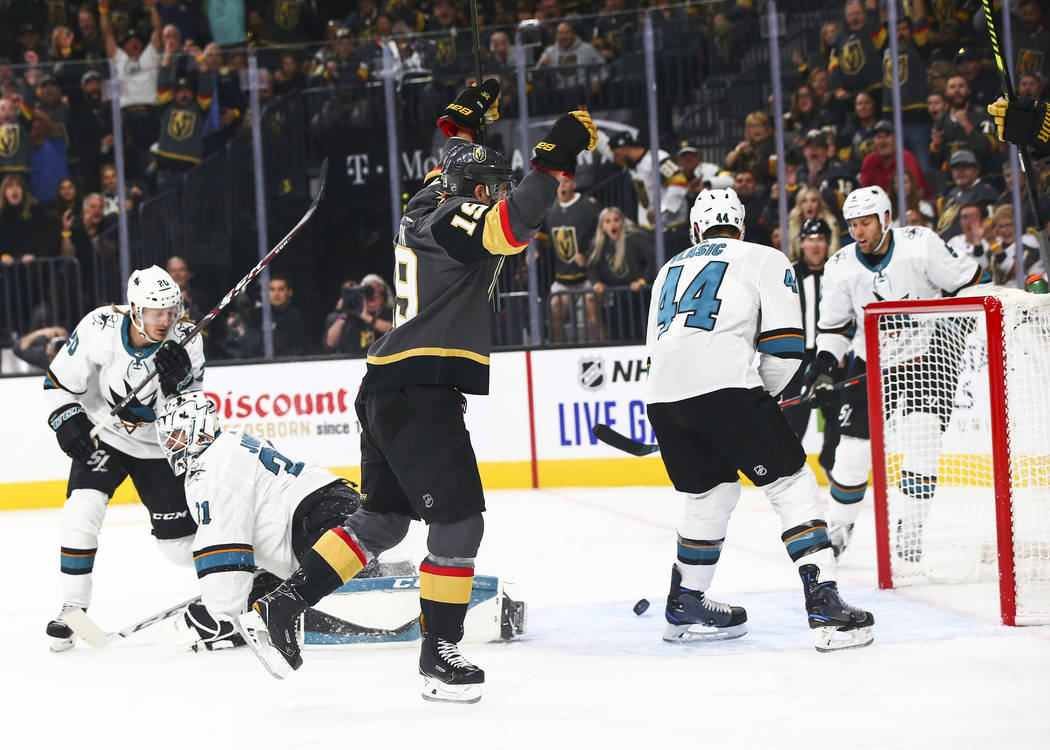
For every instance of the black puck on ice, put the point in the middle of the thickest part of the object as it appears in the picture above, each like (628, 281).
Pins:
(641, 606)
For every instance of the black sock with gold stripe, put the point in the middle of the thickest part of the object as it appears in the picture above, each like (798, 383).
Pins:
(334, 559)
(444, 593)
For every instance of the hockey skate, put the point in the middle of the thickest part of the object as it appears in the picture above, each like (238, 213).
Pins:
(272, 628)
(59, 634)
(447, 676)
(691, 616)
(838, 625)
(840, 537)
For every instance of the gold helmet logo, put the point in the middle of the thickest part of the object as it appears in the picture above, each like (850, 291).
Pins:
(479, 154)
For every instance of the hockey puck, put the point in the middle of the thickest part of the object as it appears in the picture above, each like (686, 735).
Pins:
(641, 606)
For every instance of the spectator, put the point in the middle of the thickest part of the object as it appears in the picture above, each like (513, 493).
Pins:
(23, 223)
(818, 84)
(362, 22)
(500, 63)
(1003, 249)
(291, 336)
(699, 174)
(856, 140)
(1031, 41)
(183, 17)
(31, 47)
(1030, 85)
(747, 190)
(804, 115)
(91, 140)
(771, 212)
(172, 46)
(610, 28)
(243, 338)
(86, 240)
(1006, 198)
(621, 255)
(880, 167)
(283, 23)
(628, 153)
(937, 75)
(913, 217)
(580, 68)
(829, 32)
(39, 347)
(180, 273)
(855, 64)
(831, 177)
(183, 124)
(68, 199)
(360, 316)
(983, 83)
(48, 160)
(51, 102)
(968, 189)
(963, 126)
(226, 21)
(914, 200)
(288, 77)
(110, 201)
(754, 152)
(16, 150)
(62, 58)
(913, 41)
(809, 205)
(971, 242)
(219, 94)
(345, 67)
(137, 60)
(92, 47)
(449, 44)
(568, 230)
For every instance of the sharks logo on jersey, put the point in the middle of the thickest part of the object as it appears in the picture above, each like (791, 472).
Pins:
(106, 319)
(135, 413)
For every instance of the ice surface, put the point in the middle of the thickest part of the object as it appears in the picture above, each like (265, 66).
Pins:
(942, 671)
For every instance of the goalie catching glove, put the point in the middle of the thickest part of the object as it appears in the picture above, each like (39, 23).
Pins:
(173, 367)
(473, 106)
(817, 385)
(73, 430)
(570, 134)
(1024, 122)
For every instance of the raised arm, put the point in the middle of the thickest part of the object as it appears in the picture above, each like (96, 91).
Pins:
(106, 29)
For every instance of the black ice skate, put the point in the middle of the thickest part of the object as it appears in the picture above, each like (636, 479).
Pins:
(447, 676)
(272, 629)
(840, 537)
(691, 616)
(838, 625)
(59, 634)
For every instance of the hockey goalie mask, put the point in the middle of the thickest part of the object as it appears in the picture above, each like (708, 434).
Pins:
(155, 300)
(186, 426)
(715, 208)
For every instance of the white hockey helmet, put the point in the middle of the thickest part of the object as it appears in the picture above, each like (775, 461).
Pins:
(186, 426)
(152, 287)
(869, 201)
(715, 208)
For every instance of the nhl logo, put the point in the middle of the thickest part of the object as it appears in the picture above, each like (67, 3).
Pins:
(592, 373)
(760, 471)
(428, 500)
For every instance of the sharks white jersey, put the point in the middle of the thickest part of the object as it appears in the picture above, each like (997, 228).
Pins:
(714, 307)
(98, 367)
(243, 494)
(918, 265)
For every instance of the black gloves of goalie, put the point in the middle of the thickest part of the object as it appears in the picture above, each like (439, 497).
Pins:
(469, 109)
(173, 367)
(1024, 122)
(570, 134)
(73, 430)
(213, 635)
(817, 385)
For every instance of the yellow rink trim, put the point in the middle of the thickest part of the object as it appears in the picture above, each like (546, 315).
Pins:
(495, 475)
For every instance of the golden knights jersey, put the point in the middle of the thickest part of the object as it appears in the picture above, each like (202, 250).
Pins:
(243, 493)
(448, 254)
(856, 61)
(570, 228)
(714, 307)
(918, 265)
(673, 189)
(98, 367)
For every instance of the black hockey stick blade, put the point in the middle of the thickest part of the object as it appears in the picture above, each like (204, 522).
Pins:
(609, 436)
(93, 635)
(237, 289)
(316, 621)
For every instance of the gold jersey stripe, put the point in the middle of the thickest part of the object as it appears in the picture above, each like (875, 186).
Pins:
(446, 589)
(427, 351)
(497, 237)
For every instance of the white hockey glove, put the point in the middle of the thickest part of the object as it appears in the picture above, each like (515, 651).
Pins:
(196, 630)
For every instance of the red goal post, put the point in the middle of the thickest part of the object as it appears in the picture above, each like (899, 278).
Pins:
(959, 414)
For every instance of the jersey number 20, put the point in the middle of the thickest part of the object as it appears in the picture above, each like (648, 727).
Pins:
(699, 302)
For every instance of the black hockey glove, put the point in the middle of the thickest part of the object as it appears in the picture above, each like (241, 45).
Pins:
(173, 367)
(472, 106)
(73, 430)
(817, 386)
(570, 134)
(1023, 122)
(213, 635)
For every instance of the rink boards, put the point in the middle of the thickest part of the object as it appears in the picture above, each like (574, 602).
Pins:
(532, 430)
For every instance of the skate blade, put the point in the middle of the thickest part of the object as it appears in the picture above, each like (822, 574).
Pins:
(697, 632)
(832, 639)
(255, 634)
(439, 692)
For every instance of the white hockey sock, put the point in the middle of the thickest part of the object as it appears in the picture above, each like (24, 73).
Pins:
(701, 531)
(82, 517)
(849, 480)
(804, 530)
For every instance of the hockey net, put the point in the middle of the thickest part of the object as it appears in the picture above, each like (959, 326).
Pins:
(959, 407)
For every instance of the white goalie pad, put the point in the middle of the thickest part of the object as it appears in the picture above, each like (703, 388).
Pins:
(385, 610)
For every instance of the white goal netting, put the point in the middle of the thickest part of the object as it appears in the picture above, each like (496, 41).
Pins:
(942, 410)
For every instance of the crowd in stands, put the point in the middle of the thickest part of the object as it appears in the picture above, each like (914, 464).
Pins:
(183, 95)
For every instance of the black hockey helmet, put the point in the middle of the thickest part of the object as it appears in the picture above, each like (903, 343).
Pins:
(467, 165)
(814, 226)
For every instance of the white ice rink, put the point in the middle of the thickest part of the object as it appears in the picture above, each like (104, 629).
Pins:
(942, 672)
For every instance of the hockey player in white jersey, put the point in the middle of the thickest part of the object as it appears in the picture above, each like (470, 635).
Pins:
(254, 507)
(884, 263)
(716, 305)
(110, 352)
(645, 173)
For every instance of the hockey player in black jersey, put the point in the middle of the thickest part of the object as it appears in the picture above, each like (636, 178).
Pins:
(416, 458)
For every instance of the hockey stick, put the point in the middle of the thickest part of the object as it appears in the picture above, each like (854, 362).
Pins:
(476, 31)
(237, 289)
(1023, 156)
(95, 636)
(611, 437)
